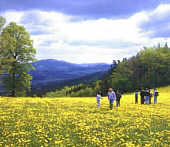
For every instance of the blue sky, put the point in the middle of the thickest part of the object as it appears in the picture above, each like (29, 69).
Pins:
(91, 31)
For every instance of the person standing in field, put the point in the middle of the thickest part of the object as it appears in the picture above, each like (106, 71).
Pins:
(156, 94)
(98, 98)
(136, 97)
(142, 94)
(118, 97)
(111, 98)
(147, 96)
(150, 97)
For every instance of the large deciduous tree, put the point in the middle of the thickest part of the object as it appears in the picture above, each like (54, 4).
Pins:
(16, 54)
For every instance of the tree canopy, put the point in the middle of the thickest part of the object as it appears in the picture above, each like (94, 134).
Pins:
(148, 69)
(16, 54)
(2, 22)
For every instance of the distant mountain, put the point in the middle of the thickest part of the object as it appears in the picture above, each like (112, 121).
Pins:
(56, 72)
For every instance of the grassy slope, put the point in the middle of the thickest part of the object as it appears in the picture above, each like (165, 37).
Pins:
(77, 122)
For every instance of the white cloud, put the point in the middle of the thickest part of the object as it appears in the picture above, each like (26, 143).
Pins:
(86, 54)
(13, 16)
(162, 9)
(157, 22)
(55, 34)
(61, 27)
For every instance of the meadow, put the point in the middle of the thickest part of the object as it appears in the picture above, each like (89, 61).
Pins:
(69, 122)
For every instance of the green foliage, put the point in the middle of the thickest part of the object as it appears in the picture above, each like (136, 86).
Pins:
(2, 22)
(149, 68)
(16, 54)
(87, 91)
(121, 77)
(57, 93)
(75, 91)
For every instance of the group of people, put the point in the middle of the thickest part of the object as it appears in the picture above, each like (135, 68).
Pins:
(146, 96)
(112, 96)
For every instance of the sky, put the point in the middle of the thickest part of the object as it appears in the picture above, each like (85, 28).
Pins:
(91, 31)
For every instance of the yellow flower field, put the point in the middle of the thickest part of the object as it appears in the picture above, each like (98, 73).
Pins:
(69, 122)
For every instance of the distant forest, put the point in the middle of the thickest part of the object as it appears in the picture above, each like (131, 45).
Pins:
(150, 68)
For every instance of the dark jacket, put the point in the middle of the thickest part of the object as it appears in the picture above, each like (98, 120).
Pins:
(118, 96)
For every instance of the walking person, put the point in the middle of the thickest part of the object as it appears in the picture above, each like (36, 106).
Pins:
(118, 97)
(98, 98)
(111, 98)
(136, 97)
(156, 94)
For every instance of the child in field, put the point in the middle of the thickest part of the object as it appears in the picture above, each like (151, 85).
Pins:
(111, 97)
(98, 98)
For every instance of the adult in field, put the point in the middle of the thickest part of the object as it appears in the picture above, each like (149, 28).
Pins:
(142, 95)
(136, 97)
(118, 97)
(111, 97)
(156, 94)
(148, 96)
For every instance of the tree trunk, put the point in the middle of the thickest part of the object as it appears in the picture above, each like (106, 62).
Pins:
(13, 85)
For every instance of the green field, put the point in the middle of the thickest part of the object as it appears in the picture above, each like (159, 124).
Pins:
(40, 122)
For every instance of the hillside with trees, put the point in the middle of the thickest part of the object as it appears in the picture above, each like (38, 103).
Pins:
(50, 87)
(52, 74)
(150, 68)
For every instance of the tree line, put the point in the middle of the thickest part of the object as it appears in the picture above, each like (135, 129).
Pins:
(149, 68)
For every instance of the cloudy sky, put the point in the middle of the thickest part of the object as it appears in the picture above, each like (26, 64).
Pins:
(91, 31)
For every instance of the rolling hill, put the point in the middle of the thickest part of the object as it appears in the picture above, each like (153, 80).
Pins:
(52, 74)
